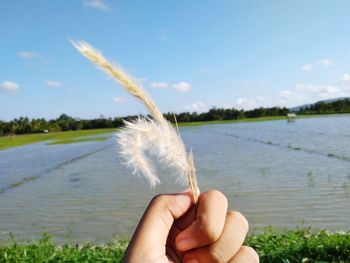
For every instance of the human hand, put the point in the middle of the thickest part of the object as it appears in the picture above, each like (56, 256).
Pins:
(172, 229)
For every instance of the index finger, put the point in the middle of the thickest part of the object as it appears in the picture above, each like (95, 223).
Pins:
(209, 222)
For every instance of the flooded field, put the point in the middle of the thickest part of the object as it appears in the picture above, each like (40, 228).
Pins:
(276, 173)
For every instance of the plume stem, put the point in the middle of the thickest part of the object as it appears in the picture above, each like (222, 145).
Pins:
(156, 136)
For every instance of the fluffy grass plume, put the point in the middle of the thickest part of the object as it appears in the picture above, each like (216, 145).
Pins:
(147, 136)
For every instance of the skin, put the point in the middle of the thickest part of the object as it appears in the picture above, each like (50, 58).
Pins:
(173, 230)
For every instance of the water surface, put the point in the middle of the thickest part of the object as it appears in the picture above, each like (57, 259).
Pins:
(276, 173)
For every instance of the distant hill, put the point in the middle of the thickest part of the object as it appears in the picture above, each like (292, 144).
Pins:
(306, 106)
(330, 106)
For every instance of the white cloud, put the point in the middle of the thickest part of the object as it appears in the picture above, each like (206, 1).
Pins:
(310, 66)
(28, 55)
(159, 85)
(119, 99)
(325, 62)
(307, 67)
(251, 103)
(309, 93)
(302, 93)
(97, 4)
(290, 98)
(345, 79)
(182, 86)
(319, 91)
(285, 93)
(261, 99)
(246, 104)
(9, 86)
(197, 107)
(53, 84)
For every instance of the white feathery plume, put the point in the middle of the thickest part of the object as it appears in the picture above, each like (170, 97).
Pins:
(146, 136)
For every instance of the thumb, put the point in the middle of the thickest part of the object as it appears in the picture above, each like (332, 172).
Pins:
(156, 222)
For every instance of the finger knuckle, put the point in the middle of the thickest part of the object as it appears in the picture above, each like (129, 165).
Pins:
(237, 216)
(250, 254)
(216, 255)
(217, 195)
(209, 229)
(159, 200)
(212, 235)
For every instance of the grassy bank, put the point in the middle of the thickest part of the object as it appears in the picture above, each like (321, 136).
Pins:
(301, 245)
(271, 118)
(199, 123)
(56, 137)
(77, 136)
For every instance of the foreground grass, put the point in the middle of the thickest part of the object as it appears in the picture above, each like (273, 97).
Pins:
(300, 245)
(58, 137)
(45, 251)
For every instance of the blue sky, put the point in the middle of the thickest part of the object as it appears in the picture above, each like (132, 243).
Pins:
(189, 55)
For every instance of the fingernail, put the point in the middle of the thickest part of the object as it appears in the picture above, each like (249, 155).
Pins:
(185, 244)
(191, 260)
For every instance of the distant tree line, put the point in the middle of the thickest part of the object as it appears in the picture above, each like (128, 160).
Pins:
(24, 125)
(64, 122)
(219, 114)
(322, 107)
